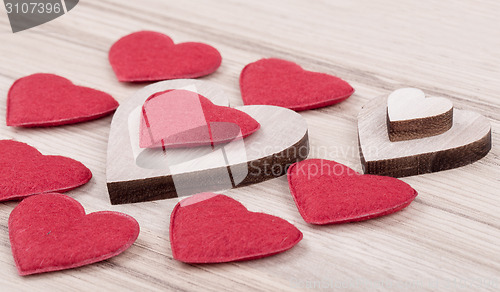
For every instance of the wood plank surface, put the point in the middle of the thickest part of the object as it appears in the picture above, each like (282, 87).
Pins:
(448, 239)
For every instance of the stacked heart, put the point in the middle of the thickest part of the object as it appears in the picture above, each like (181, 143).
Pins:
(142, 164)
(407, 134)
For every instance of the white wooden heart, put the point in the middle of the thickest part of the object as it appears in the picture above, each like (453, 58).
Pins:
(411, 115)
(468, 140)
(135, 174)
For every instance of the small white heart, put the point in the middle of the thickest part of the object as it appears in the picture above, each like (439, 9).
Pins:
(411, 103)
(410, 115)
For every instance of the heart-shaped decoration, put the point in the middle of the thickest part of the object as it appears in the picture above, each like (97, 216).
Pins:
(152, 56)
(327, 192)
(411, 115)
(212, 228)
(286, 84)
(468, 140)
(180, 118)
(51, 232)
(136, 174)
(50, 100)
(26, 172)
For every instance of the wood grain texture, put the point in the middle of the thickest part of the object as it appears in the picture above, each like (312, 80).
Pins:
(446, 239)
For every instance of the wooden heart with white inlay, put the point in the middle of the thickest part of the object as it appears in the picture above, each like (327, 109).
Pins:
(468, 140)
(411, 115)
(136, 174)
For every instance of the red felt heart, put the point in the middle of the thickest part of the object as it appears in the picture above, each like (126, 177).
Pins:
(51, 100)
(51, 232)
(286, 84)
(327, 192)
(152, 56)
(182, 118)
(212, 228)
(25, 172)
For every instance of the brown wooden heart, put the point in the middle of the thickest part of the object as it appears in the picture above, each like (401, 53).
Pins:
(468, 140)
(411, 115)
(135, 174)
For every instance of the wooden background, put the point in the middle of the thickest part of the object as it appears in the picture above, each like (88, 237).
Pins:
(447, 239)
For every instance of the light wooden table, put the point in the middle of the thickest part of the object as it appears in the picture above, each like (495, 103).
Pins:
(447, 239)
